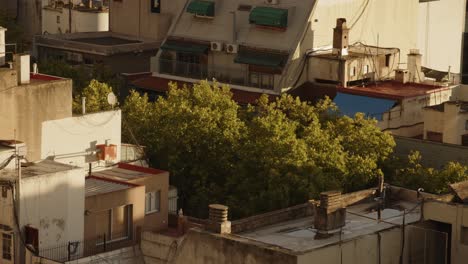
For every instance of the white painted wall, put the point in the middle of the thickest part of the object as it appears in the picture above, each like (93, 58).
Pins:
(54, 204)
(440, 27)
(388, 23)
(451, 123)
(72, 140)
(81, 21)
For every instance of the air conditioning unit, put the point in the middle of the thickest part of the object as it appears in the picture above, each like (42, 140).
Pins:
(216, 46)
(271, 2)
(232, 48)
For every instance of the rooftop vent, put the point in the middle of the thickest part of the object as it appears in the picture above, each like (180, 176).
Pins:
(218, 219)
(330, 215)
(340, 38)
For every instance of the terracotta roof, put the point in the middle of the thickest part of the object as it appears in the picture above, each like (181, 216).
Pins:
(127, 172)
(393, 90)
(161, 85)
(44, 77)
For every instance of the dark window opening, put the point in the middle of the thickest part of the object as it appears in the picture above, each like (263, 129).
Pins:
(434, 136)
(387, 60)
(6, 246)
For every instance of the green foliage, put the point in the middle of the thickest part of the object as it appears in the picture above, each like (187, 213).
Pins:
(96, 98)
(255, 159)
(411, 174)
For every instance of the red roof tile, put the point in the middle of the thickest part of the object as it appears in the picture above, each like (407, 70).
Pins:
(392, 90)
(44, 77)
(159, 84)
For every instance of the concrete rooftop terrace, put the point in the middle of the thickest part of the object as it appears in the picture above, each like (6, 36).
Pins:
(96, 186)
(299, 235)
(99, 43)
(393, 90)
(37, 169)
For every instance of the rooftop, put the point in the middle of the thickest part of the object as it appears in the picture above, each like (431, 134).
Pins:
(356, 51)
(393, 90)
(161, 85)
(298, 235)
(37, 169)
(127, 172)
(96, 185)
(99, 43)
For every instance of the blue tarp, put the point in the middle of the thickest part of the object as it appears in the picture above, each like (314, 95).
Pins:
(350, 104)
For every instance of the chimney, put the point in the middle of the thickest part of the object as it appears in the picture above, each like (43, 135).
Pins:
(23, 68)
(2, 46)
(414, 66)
(330, 215)
(340, 38)
(218, 219)
(401, 76)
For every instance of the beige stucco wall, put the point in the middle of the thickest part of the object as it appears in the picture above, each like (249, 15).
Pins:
(434, 31)
(394, 21)
(451, 123)
(54, 204)
(73, 140)
(136, 19)
(94, 204)
(201, 247)
(24, 108)
(407, 118)
(81, 21)
(156, 221)
(457, 216)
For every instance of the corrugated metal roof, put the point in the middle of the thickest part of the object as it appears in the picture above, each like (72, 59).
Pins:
(95, 186)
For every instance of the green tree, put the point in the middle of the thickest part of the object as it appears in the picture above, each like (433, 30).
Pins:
(411, 174)
(255, 159)
(96, 98)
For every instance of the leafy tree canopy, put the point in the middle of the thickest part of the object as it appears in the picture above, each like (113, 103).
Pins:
(258, 158)
(96, 98)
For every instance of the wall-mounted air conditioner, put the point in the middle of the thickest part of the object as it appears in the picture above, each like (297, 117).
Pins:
(232, 48)
(271, 2)
(216, 46)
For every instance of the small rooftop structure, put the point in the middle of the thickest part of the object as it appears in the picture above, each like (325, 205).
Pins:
(97, 185)
(463, 106)
(127, 172)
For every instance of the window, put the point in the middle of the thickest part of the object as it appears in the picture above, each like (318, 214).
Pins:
(242, 7)
(352, 71)
(434, 136)
(387, 60)
(6, 246)
(153, 202)
(58, 19)
(155, 6)
(4, 192)
(466, 125)
(366, 69)
(464, 235)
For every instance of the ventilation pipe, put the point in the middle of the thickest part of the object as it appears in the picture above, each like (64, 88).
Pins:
(414, 66)
(341, 38)
(218, 219)
(330, 215)
(23, 68)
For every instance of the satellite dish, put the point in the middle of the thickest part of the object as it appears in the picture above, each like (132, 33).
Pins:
(111, 99)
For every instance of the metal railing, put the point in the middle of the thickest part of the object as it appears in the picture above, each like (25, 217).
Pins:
(74, 250)
(222, 74)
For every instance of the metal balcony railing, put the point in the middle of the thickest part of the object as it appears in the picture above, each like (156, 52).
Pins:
(220, 73)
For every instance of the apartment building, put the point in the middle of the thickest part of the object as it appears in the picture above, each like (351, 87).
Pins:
(262, 46)
(75, 16)
(447, 123)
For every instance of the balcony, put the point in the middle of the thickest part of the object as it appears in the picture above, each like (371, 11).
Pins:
(222, 74)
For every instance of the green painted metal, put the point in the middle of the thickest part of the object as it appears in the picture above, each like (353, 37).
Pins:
(269, 16)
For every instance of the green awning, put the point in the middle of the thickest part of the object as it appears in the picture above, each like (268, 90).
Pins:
(269, 16)
(261, 59)
(201, 8)
(185, 47)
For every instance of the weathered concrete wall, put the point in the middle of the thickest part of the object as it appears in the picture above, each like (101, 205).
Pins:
(363, 250)
(457, 216)
(81, 21)
(129, 255)
(72, 140)
(159, 249)
(24, 108)
(9, 6)
(54, 204)
(99, 203)
(200, 247)
(431, 151)
(158, 220)
(30, 17)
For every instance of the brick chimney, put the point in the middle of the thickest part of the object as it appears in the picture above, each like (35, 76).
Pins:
(330, 215)
(414, 66)
(340, 38)
(218, 219)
